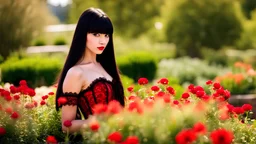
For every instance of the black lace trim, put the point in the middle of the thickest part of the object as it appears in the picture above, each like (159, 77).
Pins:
(72, 94)
(95, 81)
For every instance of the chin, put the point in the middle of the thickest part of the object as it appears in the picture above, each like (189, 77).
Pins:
(98, 53)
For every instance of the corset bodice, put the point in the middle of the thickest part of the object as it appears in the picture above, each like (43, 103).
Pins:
(99, 91)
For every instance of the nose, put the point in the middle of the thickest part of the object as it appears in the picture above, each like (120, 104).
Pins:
(103, 40)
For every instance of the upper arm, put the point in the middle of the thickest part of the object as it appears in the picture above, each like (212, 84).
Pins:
(71, 84)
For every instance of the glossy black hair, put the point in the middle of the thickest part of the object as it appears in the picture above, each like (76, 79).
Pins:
(93, 20)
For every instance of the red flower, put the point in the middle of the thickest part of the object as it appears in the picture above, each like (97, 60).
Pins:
(67, 123)
(100, 108)
(115, 137)
(238, 110)
(15, 115)
(16, 97)
(191, 86)
(42, 102)
(51, 140)
(199, 128)
(132, 97)
(51, 93)
(163, 81)
(176, 102)
(131, 140)
(216, 85)
(167, 98)
(114, 107)
(45, 97)
(13, 89)
(94, 126)
(230, 107)
(200, 93)
(130, 88)
(185, 95)
(62, 101)
(247, 107)
(8, 98)
(23, 82)
(29, 105)
(160, 94)
(185, 136)
(135, 106)
(222, 136)
(5, 93)
(170, 90)
(155, 88)
(226, 94)
(148, 102)
(31, 92)
(143, 81)
(9, 110)
(2, 131)
(209, 82)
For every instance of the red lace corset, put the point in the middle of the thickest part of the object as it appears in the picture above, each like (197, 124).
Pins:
(99, 91)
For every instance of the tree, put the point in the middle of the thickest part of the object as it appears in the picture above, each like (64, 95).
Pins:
(130, 18)
(193, 24)
(248, 6)
(20, 21)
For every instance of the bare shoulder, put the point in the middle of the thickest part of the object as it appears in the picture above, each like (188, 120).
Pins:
(73, 81)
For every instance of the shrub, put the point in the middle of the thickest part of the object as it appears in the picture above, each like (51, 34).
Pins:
(28, 117)
(188, 70)
(60, 41)
(37, 71)
(136, 65)
(242, 79)
(39, 42)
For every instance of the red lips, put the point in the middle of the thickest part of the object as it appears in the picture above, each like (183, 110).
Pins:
(101, 48)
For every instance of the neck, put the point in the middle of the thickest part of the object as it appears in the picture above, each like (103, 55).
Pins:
(89, 57)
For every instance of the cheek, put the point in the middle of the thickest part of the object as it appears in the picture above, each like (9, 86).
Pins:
(90, 41)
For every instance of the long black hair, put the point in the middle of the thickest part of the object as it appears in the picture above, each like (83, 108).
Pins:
(93, 20)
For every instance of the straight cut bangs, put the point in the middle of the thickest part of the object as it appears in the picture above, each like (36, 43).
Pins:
(101, 25)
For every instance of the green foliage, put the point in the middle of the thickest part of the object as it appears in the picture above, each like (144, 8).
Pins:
(60, 41)
(20, 22)
(247, 40)
(205, 23)
(37, 71)
(130, 18)
(248, 6)
(136, 65)
(159, 50)
(34, 122)
(39, 42)
(188, 70)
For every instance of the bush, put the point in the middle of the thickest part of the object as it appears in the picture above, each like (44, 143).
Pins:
(188, 70)
(193, 24)
(136, 65)
(37, 71)
(60, 41)
(241, 80)
(39, 42)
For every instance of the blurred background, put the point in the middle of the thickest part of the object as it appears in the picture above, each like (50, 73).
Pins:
(186, 41)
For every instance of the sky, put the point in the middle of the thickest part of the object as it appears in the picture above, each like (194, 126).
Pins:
(59, 2)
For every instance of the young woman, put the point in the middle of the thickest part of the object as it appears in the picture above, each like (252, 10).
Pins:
(90, 75)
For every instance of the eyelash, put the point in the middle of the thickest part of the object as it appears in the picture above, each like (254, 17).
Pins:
(97, 34)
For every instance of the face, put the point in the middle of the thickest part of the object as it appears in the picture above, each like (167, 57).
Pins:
(97, 42)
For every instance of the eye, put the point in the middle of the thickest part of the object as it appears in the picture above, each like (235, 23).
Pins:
(96, 34)
(107, 35)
